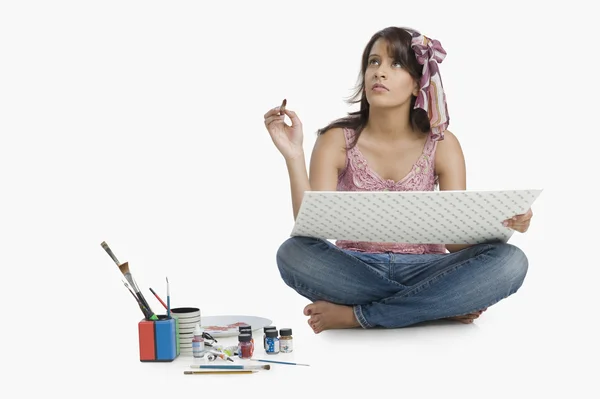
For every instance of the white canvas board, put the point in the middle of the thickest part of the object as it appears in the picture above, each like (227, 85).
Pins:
(415, 217)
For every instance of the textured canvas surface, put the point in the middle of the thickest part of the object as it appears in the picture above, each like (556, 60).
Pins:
(417, 217)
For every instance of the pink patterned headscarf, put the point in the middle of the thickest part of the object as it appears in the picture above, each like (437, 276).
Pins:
(431, 97)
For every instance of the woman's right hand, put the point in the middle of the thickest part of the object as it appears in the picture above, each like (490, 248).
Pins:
(287, 139)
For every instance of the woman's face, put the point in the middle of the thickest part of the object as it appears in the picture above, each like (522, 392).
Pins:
(387, 84)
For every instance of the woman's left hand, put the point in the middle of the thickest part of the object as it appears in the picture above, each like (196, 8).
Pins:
(519, 223)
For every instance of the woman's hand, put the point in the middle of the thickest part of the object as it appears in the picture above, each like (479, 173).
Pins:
(519, 223)
(287, 139)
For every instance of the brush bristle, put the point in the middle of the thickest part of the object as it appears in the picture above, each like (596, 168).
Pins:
(267, 367)
(124, 267)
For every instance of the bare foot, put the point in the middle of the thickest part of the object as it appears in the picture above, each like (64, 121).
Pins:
(326, 315)
(467, 318)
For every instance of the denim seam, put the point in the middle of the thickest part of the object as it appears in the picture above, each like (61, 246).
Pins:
(429, 281)
(368, 268)
(356, 308)
(360, 317)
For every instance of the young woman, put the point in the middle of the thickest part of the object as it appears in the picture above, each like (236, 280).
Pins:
(398, 140)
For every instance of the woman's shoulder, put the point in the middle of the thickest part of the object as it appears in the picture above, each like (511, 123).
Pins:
(448, 143)
(448, 151)
(334, 137)
(335, 131)
(332, 143)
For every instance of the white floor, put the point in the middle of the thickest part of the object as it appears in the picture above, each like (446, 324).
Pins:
(525, 346)
(141, 123)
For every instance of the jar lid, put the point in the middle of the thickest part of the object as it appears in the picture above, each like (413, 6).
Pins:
(271, 333)
(285, 332)
(246, 329)
(265, 329)
(245, 337)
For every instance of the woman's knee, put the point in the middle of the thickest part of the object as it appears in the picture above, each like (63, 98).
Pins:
(293, 252)
(513, 264)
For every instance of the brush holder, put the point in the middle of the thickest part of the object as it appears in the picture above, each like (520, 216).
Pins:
(158, 339)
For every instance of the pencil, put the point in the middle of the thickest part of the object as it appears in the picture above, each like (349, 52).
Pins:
(219, 372)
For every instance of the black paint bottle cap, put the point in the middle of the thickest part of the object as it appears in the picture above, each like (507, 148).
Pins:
(245, 337)
(271, 333)
(285, 332)
(245, 329)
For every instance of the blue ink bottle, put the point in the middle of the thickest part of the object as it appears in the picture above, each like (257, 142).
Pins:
(265, 329)
(272, 342)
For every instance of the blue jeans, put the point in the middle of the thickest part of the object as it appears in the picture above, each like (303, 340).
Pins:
(396, 290)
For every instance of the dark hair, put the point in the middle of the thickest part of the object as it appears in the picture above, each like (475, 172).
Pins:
(399, 45)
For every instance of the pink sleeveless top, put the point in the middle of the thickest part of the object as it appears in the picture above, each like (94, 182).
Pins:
(357, 176)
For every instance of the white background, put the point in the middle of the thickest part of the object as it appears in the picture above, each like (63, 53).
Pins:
(140, 123)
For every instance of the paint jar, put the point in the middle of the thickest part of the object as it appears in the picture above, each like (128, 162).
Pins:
(247, 330)
(272, 342)
(246, 349)
(265, 329)
(198, 349)
(286, 342)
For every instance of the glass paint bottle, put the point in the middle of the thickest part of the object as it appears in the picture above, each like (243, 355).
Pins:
(245, 346)
(198, 349)
(272, 342)
(286, 341)
(265, 329)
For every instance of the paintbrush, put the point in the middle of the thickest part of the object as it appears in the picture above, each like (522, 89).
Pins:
(168, 300)
(278, 362)
(147, 314)
(143, 304)
(230, 367)
(219, 372)
(124, 268)
(159, 300)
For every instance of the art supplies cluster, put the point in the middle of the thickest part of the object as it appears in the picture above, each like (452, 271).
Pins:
(163, 338)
